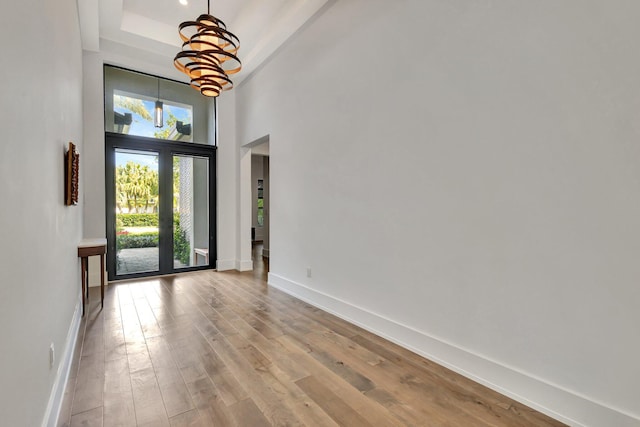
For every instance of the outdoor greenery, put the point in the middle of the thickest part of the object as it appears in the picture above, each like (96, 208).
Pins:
(181, 247)
(142, 114)
(149, 239)
(142, 240)
(137, 191)
(132, 104)
(138, 220)
(136, 188)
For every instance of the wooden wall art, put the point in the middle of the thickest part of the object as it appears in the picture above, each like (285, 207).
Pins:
(71, 175)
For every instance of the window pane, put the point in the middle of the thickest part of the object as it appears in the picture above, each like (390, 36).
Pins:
(190, 211)
(136, 212)
(134, 115)
(130, 108)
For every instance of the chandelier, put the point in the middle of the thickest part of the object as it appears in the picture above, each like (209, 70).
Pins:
(208, 54)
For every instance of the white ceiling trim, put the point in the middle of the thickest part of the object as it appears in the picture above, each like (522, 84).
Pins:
(117, 28)
(151, 29)
(88, 11)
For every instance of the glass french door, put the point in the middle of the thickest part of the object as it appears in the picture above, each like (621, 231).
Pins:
(136, 212)
(160, 206)
(190, 211)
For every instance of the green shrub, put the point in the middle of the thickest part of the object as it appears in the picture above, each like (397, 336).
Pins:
(143, 240)
(181, 247)
(125, 240)
(137, 220)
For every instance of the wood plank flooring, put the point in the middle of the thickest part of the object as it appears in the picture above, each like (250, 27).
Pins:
(223, 349)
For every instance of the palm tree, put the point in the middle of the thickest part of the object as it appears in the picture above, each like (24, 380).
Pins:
(136, 185)
(132, 104)
(151, 183)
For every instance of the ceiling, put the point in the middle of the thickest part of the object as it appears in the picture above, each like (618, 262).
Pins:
(148, 29)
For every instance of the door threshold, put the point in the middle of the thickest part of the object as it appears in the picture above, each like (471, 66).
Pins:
(157, 276)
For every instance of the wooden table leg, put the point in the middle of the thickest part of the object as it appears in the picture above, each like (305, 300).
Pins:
(102, 278)
(87, 248)
(86, 264)
(83, 270)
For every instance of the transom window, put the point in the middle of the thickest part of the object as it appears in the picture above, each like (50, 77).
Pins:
(133, 115)
(133, 102)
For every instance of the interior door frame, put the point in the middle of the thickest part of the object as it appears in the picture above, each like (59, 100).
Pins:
(166, 150)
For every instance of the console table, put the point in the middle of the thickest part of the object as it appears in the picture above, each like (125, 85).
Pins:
(87, 248)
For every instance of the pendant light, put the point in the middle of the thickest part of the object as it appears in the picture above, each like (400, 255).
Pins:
(157, 111)
(208, 54)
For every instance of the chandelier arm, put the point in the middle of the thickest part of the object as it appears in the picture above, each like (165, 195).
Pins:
(205, 29)
(212, 52)
(199, 70)
(206, 56)
(205, 17)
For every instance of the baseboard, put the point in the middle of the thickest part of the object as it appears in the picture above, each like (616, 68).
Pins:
(62, 376)
(564, 405)
(244, 265)
(225, 264)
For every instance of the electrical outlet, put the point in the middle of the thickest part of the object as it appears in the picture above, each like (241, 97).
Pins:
(308, 271)
(52, 355)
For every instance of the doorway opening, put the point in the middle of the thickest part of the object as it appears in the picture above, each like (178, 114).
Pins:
(260, 194)
(160, 206)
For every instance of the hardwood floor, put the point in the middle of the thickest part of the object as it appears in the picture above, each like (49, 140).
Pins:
(223, 349)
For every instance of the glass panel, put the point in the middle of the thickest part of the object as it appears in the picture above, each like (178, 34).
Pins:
(190, 211)
(134, 115)
(129, 106)
(136, 212)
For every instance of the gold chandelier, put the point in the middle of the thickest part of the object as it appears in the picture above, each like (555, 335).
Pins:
(208, 54)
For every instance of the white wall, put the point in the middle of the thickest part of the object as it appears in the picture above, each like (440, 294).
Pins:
(40, 112)
(463, 177)
(95, 224)
(226, 192)
(244, 260)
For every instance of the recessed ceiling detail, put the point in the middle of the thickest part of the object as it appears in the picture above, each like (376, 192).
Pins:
(152, 26)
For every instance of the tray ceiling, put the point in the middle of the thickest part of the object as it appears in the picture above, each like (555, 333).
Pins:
(150, 27)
